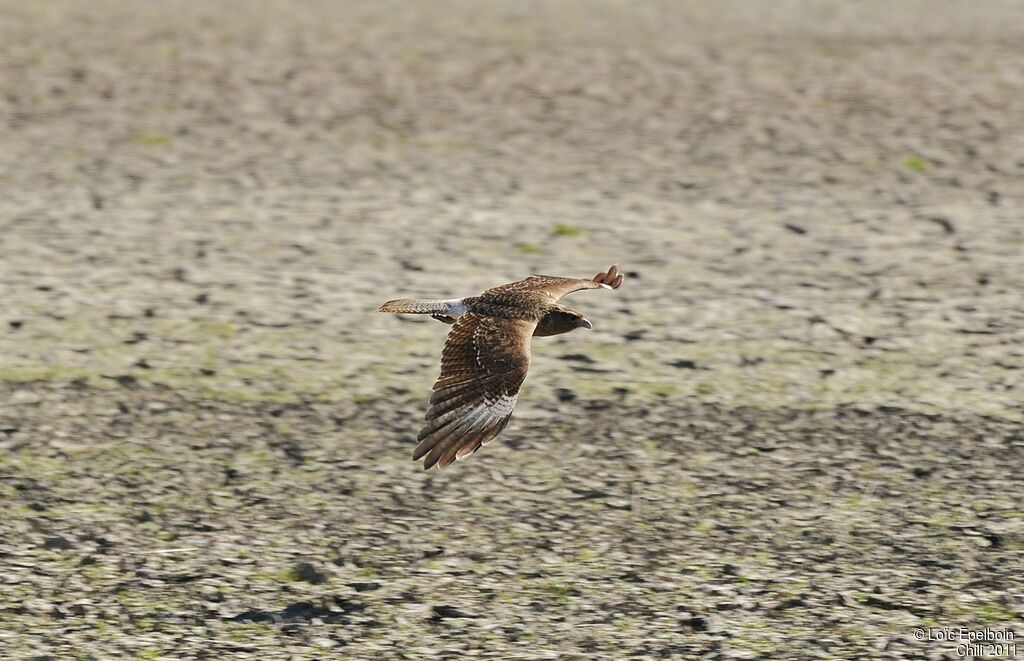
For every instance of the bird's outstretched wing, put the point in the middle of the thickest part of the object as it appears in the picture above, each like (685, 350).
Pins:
(484, 363)
(557, 287)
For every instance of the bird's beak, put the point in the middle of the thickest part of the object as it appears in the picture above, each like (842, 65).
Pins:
(585, 323)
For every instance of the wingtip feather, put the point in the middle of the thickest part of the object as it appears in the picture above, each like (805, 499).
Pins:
(610, 279)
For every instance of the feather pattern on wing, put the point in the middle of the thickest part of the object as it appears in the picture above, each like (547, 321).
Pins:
(483, 365)
(556, 287)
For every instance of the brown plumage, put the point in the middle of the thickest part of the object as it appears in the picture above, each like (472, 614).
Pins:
(487, 354)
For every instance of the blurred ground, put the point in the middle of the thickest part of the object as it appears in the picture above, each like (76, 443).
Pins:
(794, 433)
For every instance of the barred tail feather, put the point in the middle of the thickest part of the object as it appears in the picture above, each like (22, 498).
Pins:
(415, 306)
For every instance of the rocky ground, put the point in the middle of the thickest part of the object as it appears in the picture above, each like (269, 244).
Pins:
(795, 432)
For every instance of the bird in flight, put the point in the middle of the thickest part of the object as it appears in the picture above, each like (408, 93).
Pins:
(487, 354)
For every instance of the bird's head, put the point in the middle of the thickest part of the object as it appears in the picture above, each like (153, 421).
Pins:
(561, 319)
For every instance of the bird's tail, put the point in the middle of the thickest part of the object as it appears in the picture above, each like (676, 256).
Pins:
(417, 306)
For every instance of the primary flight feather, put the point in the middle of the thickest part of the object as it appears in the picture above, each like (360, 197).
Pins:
(487, 354)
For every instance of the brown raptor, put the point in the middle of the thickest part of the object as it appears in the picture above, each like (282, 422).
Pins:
(487, 354)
